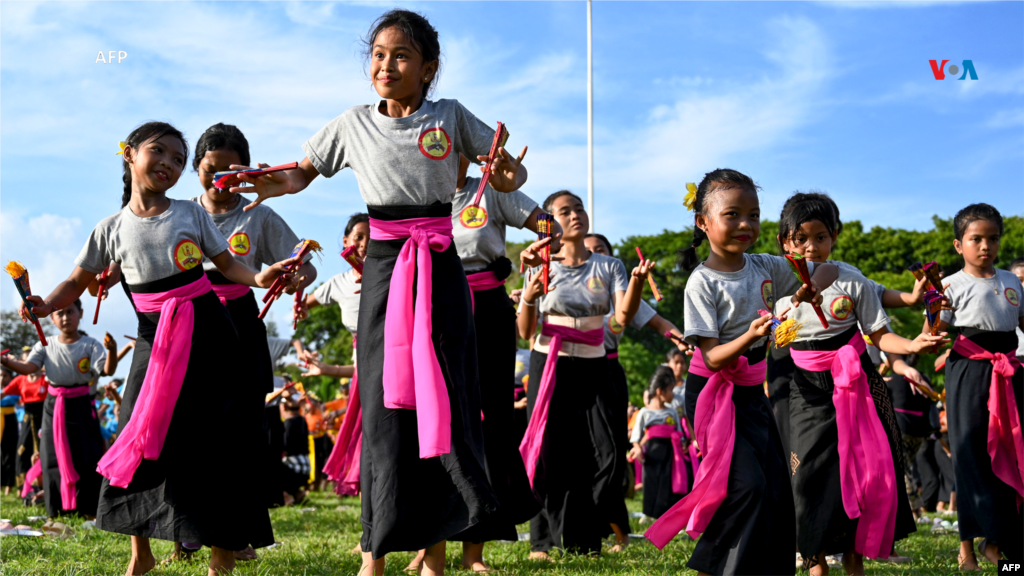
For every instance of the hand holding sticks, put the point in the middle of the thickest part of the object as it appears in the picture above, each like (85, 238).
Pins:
(650, 278)
(20, 276)
(545, 225)
(803, 274)
(304, 251)
(99, 293)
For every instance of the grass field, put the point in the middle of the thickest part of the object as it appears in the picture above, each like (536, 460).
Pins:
(318, 542)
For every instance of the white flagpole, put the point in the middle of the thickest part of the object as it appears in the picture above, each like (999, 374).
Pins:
(590, 114)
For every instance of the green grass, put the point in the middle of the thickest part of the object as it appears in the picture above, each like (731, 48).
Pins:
(318, 543)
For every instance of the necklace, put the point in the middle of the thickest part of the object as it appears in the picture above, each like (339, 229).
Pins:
(994, 284)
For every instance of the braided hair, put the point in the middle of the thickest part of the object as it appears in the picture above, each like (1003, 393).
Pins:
(718, 179)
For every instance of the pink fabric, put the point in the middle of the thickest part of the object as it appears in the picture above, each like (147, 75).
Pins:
(345, 454)
(867, 477)
(613, 355)
(66, 466)
(533, 440)
(144, 435)
(33, 473)
(678, 454)
(1005, 446)
(230, 291)
(412, 375)
(715, 427)
(638, 470)
(911, 412)
(480, 281)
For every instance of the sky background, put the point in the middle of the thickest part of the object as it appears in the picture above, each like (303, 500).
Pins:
(838, 97)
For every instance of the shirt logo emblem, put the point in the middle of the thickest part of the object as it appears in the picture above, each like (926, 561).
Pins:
(767, 295)
(670, 421)
(84, 364)
(187, 255)
(1011, 296)
(435, 144)
(239, 243)
(595, 285)
(841, 307)
(473, 217)
(614, 325)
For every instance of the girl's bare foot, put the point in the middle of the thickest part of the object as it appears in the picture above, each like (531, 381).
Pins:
(370, 566)
(244, 555)
(541, 556)
(473, 558)
(288, 499)
(853, 563)
(222, 561)
(414, 565)
(821, 568)
(621, 539)
(966, 560)
(433, 560)
(358, 549)
(142, 557)
(990, 551)
(180, 554)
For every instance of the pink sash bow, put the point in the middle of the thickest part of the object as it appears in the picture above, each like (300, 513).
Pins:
(715, 427)
(1005, 446)
(66, 466)
(342, 467)
(866, 474)
(678, 453)
(412, 376)
(144, 435)
(533, 440)
(480, 281)
(227, 292)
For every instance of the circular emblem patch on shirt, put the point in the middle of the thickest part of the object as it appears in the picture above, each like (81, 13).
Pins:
(84, 365)
(1011, 296)
(239, 243)
(473, 217)
(435, 144)
(595, 285)
(670, 421)
(614, 325)
(187, 255)
(767, 295)
(841, 307)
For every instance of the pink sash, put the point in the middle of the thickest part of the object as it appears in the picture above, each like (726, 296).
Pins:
(1005, 446)
(412, 375)
(66, 466)
(343, 465)
(144, 435)
(866, 474)
(33, 473)
(715, 427)
(678, 453)
(533, 440)
(227, 292)
(480, 281)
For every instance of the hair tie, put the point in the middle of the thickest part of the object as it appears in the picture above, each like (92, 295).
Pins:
(698, 237)
(691, 197)
(121, 145)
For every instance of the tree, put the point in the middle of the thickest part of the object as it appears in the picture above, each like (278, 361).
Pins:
(324, 332)
(15, 334)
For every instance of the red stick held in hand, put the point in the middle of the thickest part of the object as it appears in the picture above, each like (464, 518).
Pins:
(650, 278)
(803, 274)
(100, 292)
(224, 180)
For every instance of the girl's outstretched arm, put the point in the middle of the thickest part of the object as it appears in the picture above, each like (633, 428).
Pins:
(110, 365)
(275, 184)
(718, 356)
(823, 277)
(241, 274)
(62, 296)
(19, 366)
(662, 325)
(891, 343)
(527, 320)
(627, 302)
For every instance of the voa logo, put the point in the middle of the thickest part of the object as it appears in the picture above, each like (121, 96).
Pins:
(939, 70)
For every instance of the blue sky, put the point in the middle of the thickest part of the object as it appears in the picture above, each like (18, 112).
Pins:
(832, 96)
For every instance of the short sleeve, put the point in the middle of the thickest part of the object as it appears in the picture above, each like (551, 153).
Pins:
(474, 137)
(949, 316)
(639, 426)
(276, 239)
(619, 279)
(643, 315)
(97, 357)
(37, 355)
(212, 242)
(328, 293)
(95, 255)
(14, 387)
(278, 347)
(1020, 305)
(515, 207)
(326, 149)
(700, 318)
(783, 277)
(870, 314)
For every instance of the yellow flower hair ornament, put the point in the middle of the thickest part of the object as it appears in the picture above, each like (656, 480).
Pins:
(691, 196)
(121, 145)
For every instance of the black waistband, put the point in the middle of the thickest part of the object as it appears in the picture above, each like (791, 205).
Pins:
(1004, 342)
(436, 210)
(502, 268)
(217, 278)
(827, 345)
(755, 355)
(168, 283)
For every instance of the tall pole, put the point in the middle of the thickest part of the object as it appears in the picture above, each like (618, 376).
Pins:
(590, 114)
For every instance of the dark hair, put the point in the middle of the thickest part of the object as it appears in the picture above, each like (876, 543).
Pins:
(419, 31)
(355, 219)
(718, 179)
(551, 199)
(138, 137)
(673, 353)
(602, 238)
(973, 213)
(1019, 262)
(663, 379)
(804, 207)
(221, 136)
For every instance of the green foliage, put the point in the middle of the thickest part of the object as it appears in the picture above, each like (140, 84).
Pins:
(15, 334)
(323, 332)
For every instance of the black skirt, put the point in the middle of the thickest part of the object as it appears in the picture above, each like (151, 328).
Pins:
(410, 503)
(578, 477)
(986, 506)
(753, 531)
(9, 450)
(658, 496)
(495, 321)
(780, 378)
(86, 446)
(936, 470)
(616, 511)
(28, 436)
(252, 332)
(822, 522)
(197, 490)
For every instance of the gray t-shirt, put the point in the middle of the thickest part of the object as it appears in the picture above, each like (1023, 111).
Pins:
(480, 232)
(256, 237)
(613, 330)
(341, 289)
(991, 304)
(278, 347)
(878, 288)
(69, 365)
(585, 290)
(723, 304)
(1020, 345)
(152, 248)
(850, 299)
(647, 418)
(412, 161)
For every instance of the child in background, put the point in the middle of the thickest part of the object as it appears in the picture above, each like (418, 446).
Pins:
(985, 391)
(296, 451)
(654, 437)
(8, 434)
(1017, 267)
(31, 388)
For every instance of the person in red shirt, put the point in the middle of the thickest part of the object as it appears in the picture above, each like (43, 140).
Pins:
(32, 389)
